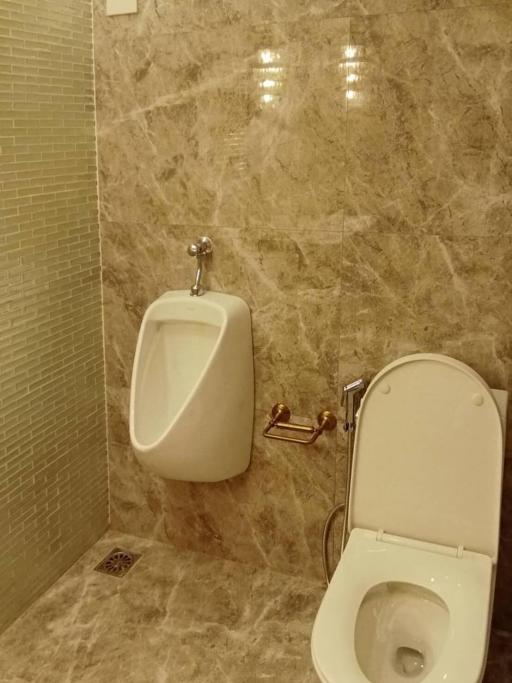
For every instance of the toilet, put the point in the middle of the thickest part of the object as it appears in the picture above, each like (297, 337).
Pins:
(411, 598)
(192, 388)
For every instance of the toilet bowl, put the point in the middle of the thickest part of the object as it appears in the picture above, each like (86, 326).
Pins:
(192, 389)
(411, 598)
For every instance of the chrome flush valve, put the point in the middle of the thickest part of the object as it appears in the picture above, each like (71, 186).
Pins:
(201, 248)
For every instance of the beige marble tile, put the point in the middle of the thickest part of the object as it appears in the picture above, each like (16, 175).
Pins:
(404, 294)
(430, 133)
(156, 17)
(297, 10)
(291, 282)
(161, 16)
(270, 516)
(294, 10)
(186, 139)
(409, 293)
(233, 127)
(366, 7)
(174, 617)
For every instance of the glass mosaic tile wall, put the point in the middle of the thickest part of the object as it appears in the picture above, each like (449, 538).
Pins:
(53, 471)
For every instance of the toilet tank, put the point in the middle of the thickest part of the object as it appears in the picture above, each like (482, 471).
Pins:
(428, 454)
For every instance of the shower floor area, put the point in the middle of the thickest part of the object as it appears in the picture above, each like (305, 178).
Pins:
(175, 617)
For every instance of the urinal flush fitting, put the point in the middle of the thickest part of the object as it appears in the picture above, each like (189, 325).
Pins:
(201, 248)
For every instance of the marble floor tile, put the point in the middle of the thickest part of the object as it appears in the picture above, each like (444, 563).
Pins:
(430, 123)
(174, 618)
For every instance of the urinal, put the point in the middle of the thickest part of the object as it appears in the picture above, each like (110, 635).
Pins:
(192, 389)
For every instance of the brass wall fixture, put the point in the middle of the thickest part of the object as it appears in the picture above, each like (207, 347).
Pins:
(280, 419)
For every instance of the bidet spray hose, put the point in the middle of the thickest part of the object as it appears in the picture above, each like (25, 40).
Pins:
(332, 514)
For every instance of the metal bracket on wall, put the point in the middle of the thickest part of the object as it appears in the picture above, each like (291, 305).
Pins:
(280, 419)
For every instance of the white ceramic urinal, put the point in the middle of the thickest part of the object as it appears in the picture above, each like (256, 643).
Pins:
(192, 391)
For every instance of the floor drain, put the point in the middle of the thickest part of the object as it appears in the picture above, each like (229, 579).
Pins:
(117, 563)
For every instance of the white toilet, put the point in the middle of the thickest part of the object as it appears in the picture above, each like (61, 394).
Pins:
(411, 598)
(192, 390)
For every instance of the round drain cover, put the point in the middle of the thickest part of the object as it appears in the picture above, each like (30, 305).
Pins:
(118, 562)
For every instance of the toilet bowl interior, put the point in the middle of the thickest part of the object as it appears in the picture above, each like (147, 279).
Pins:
(400, 632)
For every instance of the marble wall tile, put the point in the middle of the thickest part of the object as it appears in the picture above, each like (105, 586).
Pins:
(299, 10)
(404, 294)
(162, 16)
(356, 8)
(241, 126)
(294, 10)
(416, 175)
(430, 125)
(290, 281)
(270, 516)
(273, 514)
(410, 293)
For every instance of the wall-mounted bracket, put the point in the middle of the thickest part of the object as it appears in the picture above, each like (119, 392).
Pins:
(280, 419)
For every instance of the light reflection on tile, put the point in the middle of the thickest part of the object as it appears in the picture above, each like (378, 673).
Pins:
(429, 145)
(228, 129)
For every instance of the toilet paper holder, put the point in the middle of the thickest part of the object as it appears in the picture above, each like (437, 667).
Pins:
(280, 419)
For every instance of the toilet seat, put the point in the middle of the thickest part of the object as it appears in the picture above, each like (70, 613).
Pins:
(411, 603)
(463, 583)
(429, 428)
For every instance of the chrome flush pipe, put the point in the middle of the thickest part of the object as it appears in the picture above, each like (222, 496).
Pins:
(201, 248)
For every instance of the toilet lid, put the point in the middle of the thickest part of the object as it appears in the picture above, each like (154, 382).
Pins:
(428, 455)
